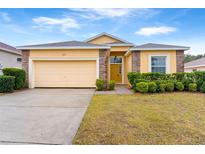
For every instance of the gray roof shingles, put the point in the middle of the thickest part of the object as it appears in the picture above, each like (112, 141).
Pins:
(64, 44)
(8, 48)
(194, 63)
(157, 46)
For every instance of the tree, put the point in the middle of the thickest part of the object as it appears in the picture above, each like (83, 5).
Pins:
(189, 57)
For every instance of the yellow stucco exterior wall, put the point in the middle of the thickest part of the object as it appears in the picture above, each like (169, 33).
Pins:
(68, 53)
(128, 67)
(103, 39)
(145, 55)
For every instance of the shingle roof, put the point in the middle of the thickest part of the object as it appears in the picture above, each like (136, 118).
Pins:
(8, 48)
(158, 47)
(67, 44)
(194, 63)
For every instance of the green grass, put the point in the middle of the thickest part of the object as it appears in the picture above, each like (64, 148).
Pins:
(171, 118)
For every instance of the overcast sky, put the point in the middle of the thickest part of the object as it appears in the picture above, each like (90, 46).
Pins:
(184, 27)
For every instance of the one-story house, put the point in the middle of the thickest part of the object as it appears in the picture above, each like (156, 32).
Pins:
(9, 56)
(104, 56)
(195, 65)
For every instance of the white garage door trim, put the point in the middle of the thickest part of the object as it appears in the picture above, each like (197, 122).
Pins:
(31, 66)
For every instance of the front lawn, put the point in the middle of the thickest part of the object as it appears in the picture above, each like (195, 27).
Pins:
(171, 118)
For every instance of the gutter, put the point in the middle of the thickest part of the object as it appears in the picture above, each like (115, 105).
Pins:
(151, 49)
(159, 49)
(65, 47)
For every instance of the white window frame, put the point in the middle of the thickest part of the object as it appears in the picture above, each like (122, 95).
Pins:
(167, 70)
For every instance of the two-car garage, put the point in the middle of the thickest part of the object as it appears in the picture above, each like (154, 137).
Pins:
(72, 73)
(63, 68)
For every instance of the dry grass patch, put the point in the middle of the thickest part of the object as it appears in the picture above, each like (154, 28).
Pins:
(171, 118)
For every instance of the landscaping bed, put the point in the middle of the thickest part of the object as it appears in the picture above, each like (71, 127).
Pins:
(161, 82)
(168, 118)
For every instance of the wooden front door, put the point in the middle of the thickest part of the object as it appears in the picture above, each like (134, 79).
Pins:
(116, 69)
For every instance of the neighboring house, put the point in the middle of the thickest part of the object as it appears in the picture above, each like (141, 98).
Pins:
(79, 64)
(9, 57)
(195, 65)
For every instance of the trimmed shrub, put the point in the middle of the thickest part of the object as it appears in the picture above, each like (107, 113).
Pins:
(141, 80)
(100, 84)
(179, 86)
(200, 78)
(162, 87)
(186, 81)
(132, 77)
(111, 85)
(199, 82)
(7, 84)
(179, 76)
(152, 87)
(202, 89)
(142, 87)
(170, 86)
(153, 76)
(199, 75)
(193, 87)
(19, 74)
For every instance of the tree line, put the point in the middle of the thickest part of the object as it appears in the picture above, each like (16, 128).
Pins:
(189, 57)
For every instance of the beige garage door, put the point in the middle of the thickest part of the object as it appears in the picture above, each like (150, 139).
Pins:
(64, 73)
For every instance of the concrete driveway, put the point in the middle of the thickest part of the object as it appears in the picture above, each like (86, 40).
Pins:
(42, 116)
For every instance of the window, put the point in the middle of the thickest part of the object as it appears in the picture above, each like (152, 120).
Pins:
(19, 59)
(115, 60)
(158, 64)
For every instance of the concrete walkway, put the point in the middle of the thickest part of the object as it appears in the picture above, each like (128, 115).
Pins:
(42, 116)
(119, 89)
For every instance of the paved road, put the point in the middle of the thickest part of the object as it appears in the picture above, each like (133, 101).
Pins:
(42, 116)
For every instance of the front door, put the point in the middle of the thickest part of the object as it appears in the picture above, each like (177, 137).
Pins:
(116, 68)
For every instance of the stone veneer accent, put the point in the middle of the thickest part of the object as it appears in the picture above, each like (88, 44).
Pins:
(103, 64)
(136, 61)
(25, 63)
(180, 60)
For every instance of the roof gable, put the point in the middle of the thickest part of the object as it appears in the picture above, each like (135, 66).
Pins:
(105, 38)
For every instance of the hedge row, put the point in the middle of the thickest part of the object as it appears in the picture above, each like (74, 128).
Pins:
(12, 79)
(194, 81)
(19, 74)
(6, 83)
